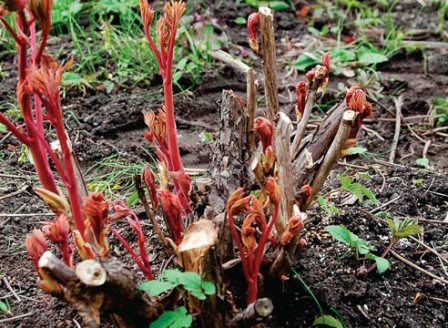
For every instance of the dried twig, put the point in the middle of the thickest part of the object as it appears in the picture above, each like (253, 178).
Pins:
(415, 266)
(8, 286)
(17, 317)
(15, 193)
(393, 149)
(376, 209)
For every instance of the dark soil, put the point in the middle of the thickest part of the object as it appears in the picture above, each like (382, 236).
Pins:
(108, 124)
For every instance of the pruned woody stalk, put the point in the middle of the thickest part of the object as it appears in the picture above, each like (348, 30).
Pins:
(263, 217)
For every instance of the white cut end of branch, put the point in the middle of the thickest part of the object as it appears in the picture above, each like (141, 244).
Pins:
(264, 307)
(199, 234)
(91, 273)
(266, 11)
(45, 260)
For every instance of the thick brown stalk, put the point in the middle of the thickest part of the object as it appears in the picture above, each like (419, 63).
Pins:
(284, 168)
(314, 150)
(268, 55)
(332, 155)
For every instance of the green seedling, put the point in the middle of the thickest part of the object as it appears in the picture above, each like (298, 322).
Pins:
(179, 318)
(356, 189)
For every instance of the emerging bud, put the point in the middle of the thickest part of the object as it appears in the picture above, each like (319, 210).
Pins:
(57, 203)
(150, 181)
(248, 233)
(293, 227)
(182, 180)
(303, 195)
(265, 130)
(272, 191)
(236, 203)
(301, 99)
(41, 10)
(356, 100)
(173, 211)
(268, 161)
(57, 230)
(85, 249)
(96, 211)
(36, 246)
(147, 14)
(253, 23)
(326, 61)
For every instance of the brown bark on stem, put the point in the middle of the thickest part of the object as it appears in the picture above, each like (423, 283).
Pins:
(268, 55)
(332, 154)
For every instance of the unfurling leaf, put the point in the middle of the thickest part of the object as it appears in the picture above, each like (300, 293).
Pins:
(329, 321)
(178, 318)
(404, 228)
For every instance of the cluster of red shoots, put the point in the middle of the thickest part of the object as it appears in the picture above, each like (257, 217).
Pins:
(38, 95)
(173, 190)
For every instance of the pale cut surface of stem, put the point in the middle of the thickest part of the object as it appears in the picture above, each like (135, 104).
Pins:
(269, 62)
(393, 149)
(333, 153)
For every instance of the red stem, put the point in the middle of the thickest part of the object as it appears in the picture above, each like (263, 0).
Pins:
(244, 260)
(14, 130)
(131, 251)
(386, 251)
(142, 247)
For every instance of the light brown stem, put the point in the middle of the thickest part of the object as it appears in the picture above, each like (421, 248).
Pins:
(393, 148)
(332, 154)
(284, 169)
(301, 126)
(269, 60)
(251, 104)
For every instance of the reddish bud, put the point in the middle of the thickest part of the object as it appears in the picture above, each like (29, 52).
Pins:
(356, 100)
(173, 211)
(36, 246)
(150, 181)
(237, 202)
(85, 249)
(41, 10)
(272, 191)
(183, 185)
(326, 61)
(301, 99)
(304, 194)
(57, 230)
(268, 161)
(253, 23)
(293, 227)
(265, 130)
(302, 243)
(147, 14)
(248, 234)
(96, 211)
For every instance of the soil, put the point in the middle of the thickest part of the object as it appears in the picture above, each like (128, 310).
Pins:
(105, 124)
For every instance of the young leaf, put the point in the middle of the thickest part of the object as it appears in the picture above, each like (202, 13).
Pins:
(369, 56)
(156, 287)
(329, 321)
(339, 233)
(422, 162)
(278, 5)
(4, 307)
(403, 229)
(191, 281)
(305, 61)
(3, 128)
(382, 264)
(240, 21)
(357, 150)
(178, 318)
(208, 287)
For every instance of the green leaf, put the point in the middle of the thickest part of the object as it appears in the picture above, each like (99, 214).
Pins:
(172, 275)
(3, 128)
(109, 86)
(357, 150)
(328, 320)
(341, 55)
(206, 137)
(191, 281)
(340, 233)
(404, 228)
(369, 56)
(240, 21)
(156, 287)
(208, 287)
(278, 5)
(345, 181)
(382, 264)
(422, 162)
(132, 199)
(305, 61)
(4, 307)
(72, 79)
(173, 319)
